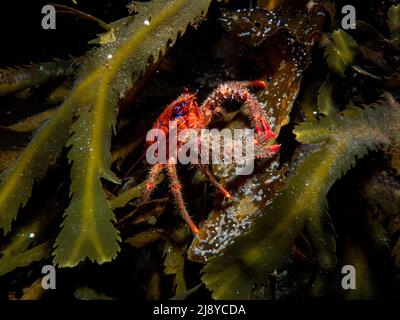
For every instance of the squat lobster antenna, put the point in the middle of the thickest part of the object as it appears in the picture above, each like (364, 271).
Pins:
(186, 91)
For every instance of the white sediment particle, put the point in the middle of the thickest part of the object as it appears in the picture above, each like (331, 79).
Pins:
(244, 34)
(272, 179)
(274, 165)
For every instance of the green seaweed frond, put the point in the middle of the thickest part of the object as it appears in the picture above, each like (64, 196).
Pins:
(106, 74)
(27, 242)
(17, 180)
(106, 81)
(18, 78)
(132, 193)
(394, 21)
(25, 258)
(174, 263)
(326, 105)
(343, 138)
(340, 52)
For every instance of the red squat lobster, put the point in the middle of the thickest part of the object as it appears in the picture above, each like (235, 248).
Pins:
(189, 115)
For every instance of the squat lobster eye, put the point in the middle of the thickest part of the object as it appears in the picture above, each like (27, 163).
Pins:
(178, 111)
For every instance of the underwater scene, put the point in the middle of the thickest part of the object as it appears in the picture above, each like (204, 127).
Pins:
(199, 150)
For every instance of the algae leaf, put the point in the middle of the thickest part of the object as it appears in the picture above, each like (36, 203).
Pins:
(27, 243)
(326, 105)
(174, 263)
(106, 74)
(341, 52)
(132, 193)
(17, 180)
(254, 255)
(394, 24)
(25, 258)
(109, 71)
(355, 255)
(15, 79)
(140, 240)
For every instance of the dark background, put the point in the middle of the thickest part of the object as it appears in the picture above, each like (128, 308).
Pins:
(23, 40)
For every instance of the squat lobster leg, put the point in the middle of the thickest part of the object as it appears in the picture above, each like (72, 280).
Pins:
(258, 117)
(206, 171)
(150, 183)
(238, 91)
(176, 192)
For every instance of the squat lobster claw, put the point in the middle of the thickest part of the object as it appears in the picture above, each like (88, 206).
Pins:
(189, 115)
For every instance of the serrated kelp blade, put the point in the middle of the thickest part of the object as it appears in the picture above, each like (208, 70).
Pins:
(88, 229)
(33, 122)
(124, 198)
(18, 78)
(394, 23)
(174, 263)
(346, 45)
(355, 254)
(10, 262)
(130, 194)
(340, 52)
(257, 253)
(107, 73)
(17, 249)
(140, 39)
(334, 61)
(31, 165)
(308, 100)
(326, 105)
(352, 126)
(110, 70)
